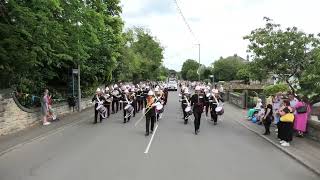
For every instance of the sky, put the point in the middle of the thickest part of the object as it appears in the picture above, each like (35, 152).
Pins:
(218, 25)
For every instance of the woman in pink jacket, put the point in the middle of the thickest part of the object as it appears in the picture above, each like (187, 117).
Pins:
(301, 116)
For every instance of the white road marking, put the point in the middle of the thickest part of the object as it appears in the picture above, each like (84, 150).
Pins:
(148, 147)
(135, 124)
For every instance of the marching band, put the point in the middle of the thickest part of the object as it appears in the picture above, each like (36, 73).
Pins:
(152, 101)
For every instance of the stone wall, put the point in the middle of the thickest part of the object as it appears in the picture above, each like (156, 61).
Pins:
(314, 129)
(14, 118)
(237, 99)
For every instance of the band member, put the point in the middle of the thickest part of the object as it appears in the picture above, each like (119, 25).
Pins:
(150, 112)
(185, 102)
(140, 98)
(165, 94)
(145, 95)
(127, 111)
(197, 102)
(159, 99)
(116, 96)
(207, 94)
(108, 97)
(214, 101)
(133, 99)
(98, 99)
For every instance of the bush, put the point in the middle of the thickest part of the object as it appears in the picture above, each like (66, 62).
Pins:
(273, 89)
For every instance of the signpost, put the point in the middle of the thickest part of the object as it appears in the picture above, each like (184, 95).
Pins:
(77, 72)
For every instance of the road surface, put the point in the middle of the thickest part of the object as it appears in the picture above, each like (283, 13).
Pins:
(116, 151)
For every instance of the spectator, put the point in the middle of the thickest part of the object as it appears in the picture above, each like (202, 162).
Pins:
(252, 111)
(277, 101)
(261, 114)
(293, 101)
(45, 107)
(267, 119)
(51, 112)
(301, 116)
(286, 124)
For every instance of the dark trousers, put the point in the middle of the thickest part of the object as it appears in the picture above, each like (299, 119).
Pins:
(148, 119)
(267, 123)
(139, 105)
(124, 116)
(285, 131)
(115, 103)
(197, 118)
(96, 115)
(184, 113)
(121, 106)
(108, 109)
(135, 107)
(214, 116)
(207, 108)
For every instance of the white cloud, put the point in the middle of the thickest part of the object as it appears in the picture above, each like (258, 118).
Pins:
(218, 24)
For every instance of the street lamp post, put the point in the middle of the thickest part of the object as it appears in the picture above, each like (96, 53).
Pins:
(78, 24)
(199, 61)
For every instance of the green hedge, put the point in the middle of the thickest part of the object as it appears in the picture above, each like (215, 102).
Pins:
(273, 89)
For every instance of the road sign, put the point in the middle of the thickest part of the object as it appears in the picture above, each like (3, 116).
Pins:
(75, 71)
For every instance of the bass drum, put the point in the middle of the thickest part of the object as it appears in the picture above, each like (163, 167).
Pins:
(219, 110)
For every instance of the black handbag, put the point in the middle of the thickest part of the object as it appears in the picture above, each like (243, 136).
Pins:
(302, 109)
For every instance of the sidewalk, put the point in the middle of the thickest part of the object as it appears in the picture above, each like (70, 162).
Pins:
(12, 141)
(303, 150)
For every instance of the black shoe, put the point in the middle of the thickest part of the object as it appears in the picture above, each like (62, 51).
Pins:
(185, 122)
(95, 122)
(147, 134)
(196, 133)
(215, 123)
(124, 122)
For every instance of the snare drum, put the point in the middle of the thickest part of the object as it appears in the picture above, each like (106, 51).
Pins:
(102, 110)
(219, 110)
(188, 110)
(129, 108)
(159, 108)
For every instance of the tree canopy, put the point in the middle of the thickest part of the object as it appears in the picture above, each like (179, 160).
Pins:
(226, 69)
(141, 57)
(284, 52)
(189, 70)
(42, 41)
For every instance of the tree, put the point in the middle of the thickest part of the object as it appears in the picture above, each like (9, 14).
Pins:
(140, 58)
(40, 41)
(286, 53)
(310, 79)
(189, 70)
(206, 72)
(244, 73)
(225, 69)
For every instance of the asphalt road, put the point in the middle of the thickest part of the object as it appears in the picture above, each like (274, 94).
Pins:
(116, 151)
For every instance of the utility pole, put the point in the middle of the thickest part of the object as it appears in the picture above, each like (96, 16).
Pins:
(78, 24)
(79, 90)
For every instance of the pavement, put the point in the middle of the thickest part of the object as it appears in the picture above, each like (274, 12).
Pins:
(112, 150)
(305, 151)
